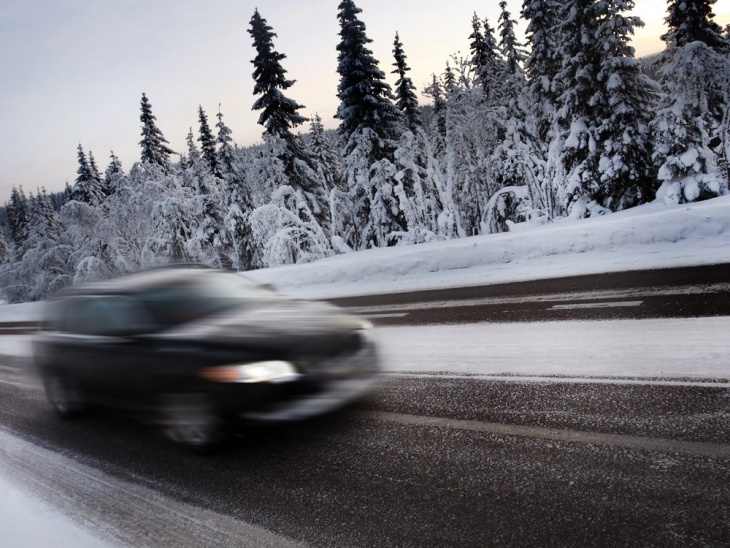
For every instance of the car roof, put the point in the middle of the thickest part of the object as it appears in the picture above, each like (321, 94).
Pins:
(136, 282)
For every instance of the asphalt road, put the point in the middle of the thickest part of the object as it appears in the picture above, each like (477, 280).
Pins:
(678, 292)
(420, 462)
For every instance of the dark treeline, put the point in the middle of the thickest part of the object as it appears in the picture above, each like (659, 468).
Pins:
(568, 125)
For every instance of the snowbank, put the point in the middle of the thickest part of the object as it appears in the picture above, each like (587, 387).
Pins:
(28, 521)
(646, 237)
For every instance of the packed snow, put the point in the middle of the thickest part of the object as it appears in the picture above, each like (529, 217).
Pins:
(646, 237)
(26, 520)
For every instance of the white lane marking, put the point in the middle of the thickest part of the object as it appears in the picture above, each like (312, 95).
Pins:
(582, 296)
(577, 306)
(560, 380)
(561, 435)
(388, 315)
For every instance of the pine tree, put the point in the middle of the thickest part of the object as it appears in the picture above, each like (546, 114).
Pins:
(485, 59)
(239, 203)
(88, 186)
(604, 109)
(207, 144)
(365, 97)
(691, 21)
(18, 216)
(154, 145)
(512, 51)
(542, 63)
(114, 177)
(6, 254)
(405, 91)
(691, 129)
(279, 114)
(370, 125)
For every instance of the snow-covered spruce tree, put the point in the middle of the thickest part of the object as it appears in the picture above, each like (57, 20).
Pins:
(237, 199)
(88, 186)
(308, 199)
(207, 144)
(602, 138)
(121, 222)
(328, 168)
(485, 60)
(6, 253)
(472, 133)
(691, 129)
(154, 145)
(115, 180)
(436, 127)
(18, 216)
(285, 229)
(405, 91)
(415, 187)
(370, 125)
(542, 63)
(517, 164)
(210, 241)
(98, 183)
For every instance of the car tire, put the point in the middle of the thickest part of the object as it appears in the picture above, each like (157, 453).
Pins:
(191, 421)
(64, 395)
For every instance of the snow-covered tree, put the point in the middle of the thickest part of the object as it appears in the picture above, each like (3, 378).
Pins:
(542, 64)
(604, 110)
(692, 117)
(405, 91)
(154, 145)
(370, 125)
(88, 186)
(238, 202)
(692, 21)
(18, 216)
(279, 113)
(207, 143)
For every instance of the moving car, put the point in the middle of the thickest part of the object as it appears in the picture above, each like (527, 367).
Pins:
(201, 350)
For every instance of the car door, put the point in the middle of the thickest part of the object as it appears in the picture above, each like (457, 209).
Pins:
(108, 346)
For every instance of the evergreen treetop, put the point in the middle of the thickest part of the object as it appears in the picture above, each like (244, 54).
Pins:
(365, 97)
(207, 143)
(154, 145)
(405, 91)
(691, 21)
(279, 114)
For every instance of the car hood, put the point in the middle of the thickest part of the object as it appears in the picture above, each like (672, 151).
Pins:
(302, 327)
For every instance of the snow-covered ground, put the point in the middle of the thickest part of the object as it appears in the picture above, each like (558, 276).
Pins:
(646, 237)
(27, 521)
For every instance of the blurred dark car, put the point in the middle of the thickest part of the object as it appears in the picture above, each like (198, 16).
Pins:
(201, 350)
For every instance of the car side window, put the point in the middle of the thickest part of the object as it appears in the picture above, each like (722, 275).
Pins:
(115, 315)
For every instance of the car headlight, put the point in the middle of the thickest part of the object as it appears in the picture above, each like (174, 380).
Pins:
(269, 371)
(366, 330)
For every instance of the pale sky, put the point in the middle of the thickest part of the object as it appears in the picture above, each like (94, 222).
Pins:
(74, 70)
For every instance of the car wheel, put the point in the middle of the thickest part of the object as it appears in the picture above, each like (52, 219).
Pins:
(190, 420)
(64, 395)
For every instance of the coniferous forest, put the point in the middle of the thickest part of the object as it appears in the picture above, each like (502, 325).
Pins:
(568, 125)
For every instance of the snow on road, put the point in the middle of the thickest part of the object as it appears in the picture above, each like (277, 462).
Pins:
(26, 521)
(696, 348)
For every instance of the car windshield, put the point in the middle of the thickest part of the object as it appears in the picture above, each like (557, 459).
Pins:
(202, 296)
